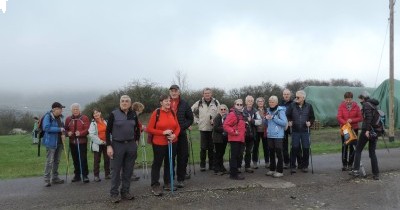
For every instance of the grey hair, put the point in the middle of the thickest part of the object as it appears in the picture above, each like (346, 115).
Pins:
(125, 97)
(238, 100)
(260, 99)
(75, 105)
(302, 93)
(222, 106)
(287, 90)
(249, 97)
(273, 98)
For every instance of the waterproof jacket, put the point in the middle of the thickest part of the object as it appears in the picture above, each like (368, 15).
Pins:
(204, 113)
(344, 114)
(368, 113)
(52, 130)
(185, 118)
(95, 141)
(235, 122)
(276, 126)
(79, 123)
(166, 121)
(219, 135)
(299, 116)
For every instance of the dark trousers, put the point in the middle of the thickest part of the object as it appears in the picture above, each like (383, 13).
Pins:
(83, 156)
(303, 153)
(97, 160)
(182, 156)
(371, 150)
(219, 156)
(206, 144)
(122, 164)
(348, 151)
(160, 154)
(275, 146)
(249, 143)
(236, 157)
(285, 148)
(256, 151)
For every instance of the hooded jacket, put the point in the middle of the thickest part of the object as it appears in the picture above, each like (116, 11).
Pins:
(235, 122)
(368, 113)
(276, 125)
(94, 136)
(354, 114)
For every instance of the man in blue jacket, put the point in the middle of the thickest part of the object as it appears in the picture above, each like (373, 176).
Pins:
(53, 138)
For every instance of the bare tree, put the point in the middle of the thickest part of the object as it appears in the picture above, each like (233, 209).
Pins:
(181, 80)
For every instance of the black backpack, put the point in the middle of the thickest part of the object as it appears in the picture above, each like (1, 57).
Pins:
(40, 126)
(378, 120)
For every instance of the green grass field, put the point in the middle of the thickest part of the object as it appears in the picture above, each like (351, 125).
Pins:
(19, 156)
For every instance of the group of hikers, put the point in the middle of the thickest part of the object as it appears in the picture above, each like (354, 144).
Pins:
(244, 127)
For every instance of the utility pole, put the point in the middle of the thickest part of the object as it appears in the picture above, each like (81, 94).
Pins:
(391, 75)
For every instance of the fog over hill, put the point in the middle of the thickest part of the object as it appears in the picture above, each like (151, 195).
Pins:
(40, 102)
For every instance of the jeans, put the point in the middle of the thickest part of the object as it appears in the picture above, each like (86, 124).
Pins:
(52, 161)
(371, 150)
(303, 139)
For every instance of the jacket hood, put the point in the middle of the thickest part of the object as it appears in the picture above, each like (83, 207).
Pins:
(373, 101)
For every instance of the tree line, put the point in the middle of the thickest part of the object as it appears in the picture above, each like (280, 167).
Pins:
(148, 92)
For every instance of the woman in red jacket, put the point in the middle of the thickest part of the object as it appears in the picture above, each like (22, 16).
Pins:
(349, 112)
(234, 125)
(164, 127)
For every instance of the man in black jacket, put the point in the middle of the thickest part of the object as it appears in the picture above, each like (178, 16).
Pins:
(367, 135)
(185, 118)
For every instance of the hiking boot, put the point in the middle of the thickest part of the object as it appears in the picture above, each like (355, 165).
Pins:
(180, 184)
(202, 169)
(135, 178)
(270, 173)
(286, 166)
(249, 170)
(85, 179)
(108, 176)
(97, 179)
(354, 173)
(255, 165)
(305, 170)
(267, 165)
(167, 187)
(47, 183)
(277, 175)
(375, 177)
(57, 181)
(187, 176)
(156, 190)
(127, 196)
(344, 168)
(293, 170)
(237, 177)
(115, 199)
(76, 179)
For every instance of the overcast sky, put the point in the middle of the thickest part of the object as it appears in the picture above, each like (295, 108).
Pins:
(97, 44)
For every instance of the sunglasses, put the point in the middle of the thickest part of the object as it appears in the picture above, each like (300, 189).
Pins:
(239, 104)
(124, 100)
(223, 109)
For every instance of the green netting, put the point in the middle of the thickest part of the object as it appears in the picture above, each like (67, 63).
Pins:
(382, 95)
(326, 99)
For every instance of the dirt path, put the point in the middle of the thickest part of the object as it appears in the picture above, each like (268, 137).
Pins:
(327, 188)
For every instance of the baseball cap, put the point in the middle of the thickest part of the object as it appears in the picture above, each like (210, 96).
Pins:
(174, 87)
(57, 105)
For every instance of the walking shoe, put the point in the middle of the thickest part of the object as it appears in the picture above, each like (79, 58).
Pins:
(293, 170)
(277, 175)
(85, 179)
(180, 184)
(202, 169)
(267, 165)
(237, 177)
(76, 179)
(47, 183)
(270, 173)
(115, 199)
(375, 177)
(57, 181)
(239, 170)
(305, 170)
(286, 166)
(156, 190)
(135, 178)
(249, 170)
(354, 173)
(108, 176)
(255, 165)
(344, 168)
(97, 179)
(187, 176)
(127, 196)
(167, 187)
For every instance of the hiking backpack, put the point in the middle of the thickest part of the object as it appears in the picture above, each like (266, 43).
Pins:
(40, 126)
(196, 111)
(378, 120)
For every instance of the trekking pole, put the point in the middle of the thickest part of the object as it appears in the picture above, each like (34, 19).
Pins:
(79, 156)
(144, 159)
(309, 141)
(384, 141)
(66, 157)
(171, 170)
(290, 150)
(38, 147)
(191, 148)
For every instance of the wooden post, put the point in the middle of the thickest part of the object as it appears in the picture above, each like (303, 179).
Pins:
(391, 74)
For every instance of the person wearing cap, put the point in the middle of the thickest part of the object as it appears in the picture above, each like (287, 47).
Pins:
(368, 106)
(53, 138)
(204, 111)
(121, 135)
(185, 118)
(77, 128)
